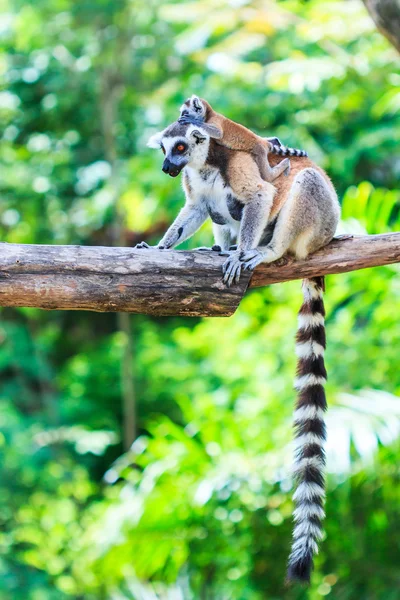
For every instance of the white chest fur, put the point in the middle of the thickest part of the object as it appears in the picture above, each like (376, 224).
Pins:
(207, 186)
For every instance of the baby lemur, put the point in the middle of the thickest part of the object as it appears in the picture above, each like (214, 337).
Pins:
(236, 137)
(297, 214)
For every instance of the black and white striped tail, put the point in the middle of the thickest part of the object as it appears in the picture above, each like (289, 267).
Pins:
(287, 151)
(309, 432)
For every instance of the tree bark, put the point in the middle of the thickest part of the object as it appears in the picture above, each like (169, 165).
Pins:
(343, 254)
(103, 279)
(386, 16)
(162, 283)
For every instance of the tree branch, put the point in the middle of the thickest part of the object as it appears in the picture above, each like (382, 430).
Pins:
(162, 283)
(343, 254)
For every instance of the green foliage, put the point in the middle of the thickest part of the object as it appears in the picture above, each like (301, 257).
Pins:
(200, 506)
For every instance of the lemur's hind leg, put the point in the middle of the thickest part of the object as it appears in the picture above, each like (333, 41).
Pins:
(267, 172)
(223, 236)
(306, 222)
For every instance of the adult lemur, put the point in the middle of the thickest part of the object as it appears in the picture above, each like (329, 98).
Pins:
(298, 214)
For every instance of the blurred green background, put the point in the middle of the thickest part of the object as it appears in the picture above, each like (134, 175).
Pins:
(198, 508)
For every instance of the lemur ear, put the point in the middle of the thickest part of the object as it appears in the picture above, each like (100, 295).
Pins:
(198, 136)
(196, 103)
(155, 140)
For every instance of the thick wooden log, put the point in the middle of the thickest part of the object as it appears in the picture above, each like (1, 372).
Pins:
(162, 283)
(107, 279)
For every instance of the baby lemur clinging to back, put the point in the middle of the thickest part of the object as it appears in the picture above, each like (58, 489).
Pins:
(237, 137)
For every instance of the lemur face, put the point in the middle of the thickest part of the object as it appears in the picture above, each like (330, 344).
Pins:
(182, 144)
(193, 108)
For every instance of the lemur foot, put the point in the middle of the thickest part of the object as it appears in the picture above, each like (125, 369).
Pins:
(229, 251)
(231, 268)
(214, 248)
(145, 246)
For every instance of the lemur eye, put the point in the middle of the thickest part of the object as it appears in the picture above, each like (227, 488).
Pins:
(163, 149)
(180, 147)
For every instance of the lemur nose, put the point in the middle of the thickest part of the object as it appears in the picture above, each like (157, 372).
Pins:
(166, 166)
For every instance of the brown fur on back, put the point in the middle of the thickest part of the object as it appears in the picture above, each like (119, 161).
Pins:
(234, 135)
(241, 173)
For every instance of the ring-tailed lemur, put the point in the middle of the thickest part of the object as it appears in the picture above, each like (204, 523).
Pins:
(298, 214)
(237, 137)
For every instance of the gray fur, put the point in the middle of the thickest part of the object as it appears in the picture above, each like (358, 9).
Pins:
(306, 222)
(216, 217)
(254, 220)
(223, 236)
(189, 220)
(235, 208)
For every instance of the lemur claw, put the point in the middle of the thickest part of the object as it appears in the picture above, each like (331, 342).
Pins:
(246, 255)
(231, 269)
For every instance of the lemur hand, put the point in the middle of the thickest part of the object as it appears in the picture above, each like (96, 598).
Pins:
(145, 246)
(232, 268)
